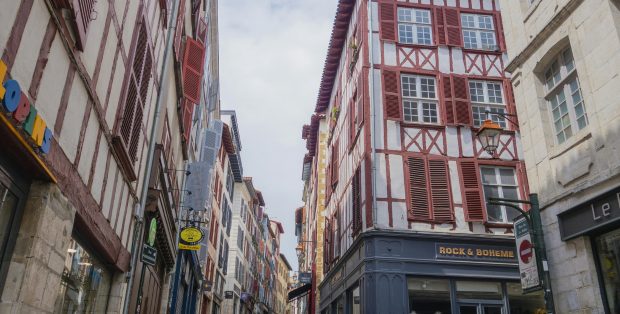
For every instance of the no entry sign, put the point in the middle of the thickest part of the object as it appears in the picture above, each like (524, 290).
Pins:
(527, 258)
(525, 251)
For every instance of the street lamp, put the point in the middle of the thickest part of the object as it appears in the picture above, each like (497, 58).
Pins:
(490, 131)
(298, 250)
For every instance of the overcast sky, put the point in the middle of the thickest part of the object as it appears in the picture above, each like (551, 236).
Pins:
(272, 54)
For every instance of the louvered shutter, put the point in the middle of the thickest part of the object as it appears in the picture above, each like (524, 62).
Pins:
(511, 106)
(326, 245)
(472, 192)
(188, 113)
(360, 99)
(351, 123)
(462, 103)
(82, 13)
(201, 32)
(391, 96)
(165, 137)
(440, 189)
(357, 201)
(335, 161)
(448, 99)
(524, 187)
(418, 190)
(178, 31)
(452, 20)
(440, 26)
(192, 70)
(387, 22)
(499, 27)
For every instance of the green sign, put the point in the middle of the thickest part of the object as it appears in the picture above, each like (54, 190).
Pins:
(149, 255)
(152, 232)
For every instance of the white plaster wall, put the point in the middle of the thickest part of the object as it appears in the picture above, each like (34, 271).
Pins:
(115, 93)
(389, 53)
(383, 217)
(467, 142)
(105, 73)
(127, 225)
(130, 24)
(110, 185)
(88, 147)
(49, 93)
(458, 66)
(121, 210)
(393, 135)
(397, 177)
(7, 18)
(378, 104)
(69, 137)
(455, 182)
(95, 34)
(452, 141)
(102, 158)
(28, 52)
(399, 215)
(381, 179)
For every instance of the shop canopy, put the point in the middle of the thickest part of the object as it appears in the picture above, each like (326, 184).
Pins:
(301, 291)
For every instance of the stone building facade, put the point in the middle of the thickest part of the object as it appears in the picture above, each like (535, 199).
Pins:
(565, 60)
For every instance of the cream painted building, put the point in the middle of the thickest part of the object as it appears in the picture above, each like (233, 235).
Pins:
(564, 57)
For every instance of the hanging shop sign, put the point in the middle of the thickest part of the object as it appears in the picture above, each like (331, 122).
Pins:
(17, 102)
(149, 255)
(206, 285)
(152, 232)
(475, 252)
(598, 213)
(244, 296)
(526, 254)
(191, 235)
(305, 277)
(189, 247)
(228, 295)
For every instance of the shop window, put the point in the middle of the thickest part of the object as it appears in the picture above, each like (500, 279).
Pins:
(85, 283)
(608, 249)
(519, 303)
(429, 296)
(478, 290)
(354, 299)
(499, 182)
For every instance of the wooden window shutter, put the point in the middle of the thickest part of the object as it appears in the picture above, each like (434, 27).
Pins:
(165, 137)
(387, 22)
(188, 113)
(452, 20)
(440, 189)
(192, 70)
(82, 13)
(440, 26)
(524, 187)
(499, 27)
(448, 99)
(357, 202)
(462, 103)
(350, 123)
(392, 95)
(511, 106)
(335, 161)
(201, 32)
(178, 31)
(418, 189)
(472, 192)
(360, 99)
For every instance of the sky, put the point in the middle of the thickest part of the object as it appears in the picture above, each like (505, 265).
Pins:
(272, 54)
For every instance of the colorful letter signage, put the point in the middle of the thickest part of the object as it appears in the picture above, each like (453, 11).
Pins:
(15, 101)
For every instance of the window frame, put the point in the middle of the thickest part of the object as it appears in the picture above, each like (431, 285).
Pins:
(479, 30)
(415, 25)
(564, 85)
(486, 103)
(419, 100)
(500, 190)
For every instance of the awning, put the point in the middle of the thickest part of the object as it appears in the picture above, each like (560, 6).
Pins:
(299, 292)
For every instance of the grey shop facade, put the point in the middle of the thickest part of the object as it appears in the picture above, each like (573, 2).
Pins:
(391, 272)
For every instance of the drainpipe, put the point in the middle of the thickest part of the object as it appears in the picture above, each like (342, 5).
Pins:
(372, 121)
(149, 160)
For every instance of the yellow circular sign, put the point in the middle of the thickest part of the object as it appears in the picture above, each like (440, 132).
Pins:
(191, 235)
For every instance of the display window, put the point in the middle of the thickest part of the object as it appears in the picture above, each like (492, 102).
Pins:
(608, 253)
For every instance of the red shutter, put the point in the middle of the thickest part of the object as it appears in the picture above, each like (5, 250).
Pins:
(326, 245)
(472, 192)
(351, 122)
(462, 104)
(82, 14)
(524, 187)
(511, 107)
(387, 22)
(201, 32)
(165, 137)
(178, 31)
(335, 162)
(448, 99)
(452, 19)
(440, 28)
(192, 70)
(357, 202)
(418, 189)
(360, 99)
(392, 96)
(499, 26)
(188, 113)
(440, 189)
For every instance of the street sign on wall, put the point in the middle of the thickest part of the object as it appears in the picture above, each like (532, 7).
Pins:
(149, 255)
(526, 255)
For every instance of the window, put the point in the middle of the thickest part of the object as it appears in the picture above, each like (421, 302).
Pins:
(429, 296)
(485, 94)
(568, 112)
(414, 26)
(499, 182)
(419, 99)
(478, 32)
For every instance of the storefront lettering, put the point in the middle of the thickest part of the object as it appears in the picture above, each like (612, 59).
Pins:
(474, 252)
(604, 209)
(15, 101)
(479, 252)
(585, 218)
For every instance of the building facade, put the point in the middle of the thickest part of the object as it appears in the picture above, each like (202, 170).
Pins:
(405, 88)
(563, 60)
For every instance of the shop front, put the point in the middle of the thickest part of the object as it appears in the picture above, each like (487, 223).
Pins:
(425, 273)
(599, 219)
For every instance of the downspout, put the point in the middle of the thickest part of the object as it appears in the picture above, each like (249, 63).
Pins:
(149, 160)
(372, 120)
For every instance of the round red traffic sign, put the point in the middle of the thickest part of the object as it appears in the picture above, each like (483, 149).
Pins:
(525, 251)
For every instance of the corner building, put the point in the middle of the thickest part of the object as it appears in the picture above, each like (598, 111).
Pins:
(404, 91)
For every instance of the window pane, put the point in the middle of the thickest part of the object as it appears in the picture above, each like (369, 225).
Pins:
(8, 205)
(507, 176)
(488, 175)
(533, 302)
(409, 86)
(429, 112)
(410, 110)
(568, 60)
(476, 91)
(429, 296)
(467, 20)
(608, 248)
(405, 33)
(356, 301)
(497, 118)
(478, 290)
(424, 35)
(478, 114)
(495, 93)
(488, 40)
(422, 16)
(404, 15)
(428, 87)
(469, 38)
(485, 21)
(494, 213)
